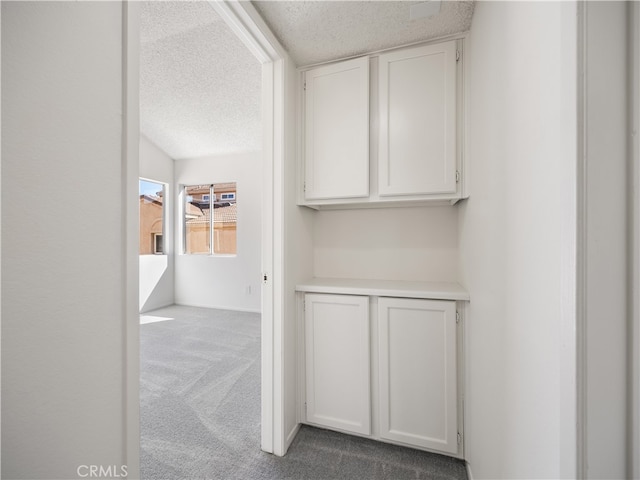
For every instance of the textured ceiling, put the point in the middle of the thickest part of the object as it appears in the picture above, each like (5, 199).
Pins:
(199, 85)
(318, 31)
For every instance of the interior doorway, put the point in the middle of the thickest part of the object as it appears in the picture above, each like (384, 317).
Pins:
(268, 53)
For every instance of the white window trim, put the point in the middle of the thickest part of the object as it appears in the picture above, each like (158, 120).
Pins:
(155, 242)
(165, 213)
(183, 200)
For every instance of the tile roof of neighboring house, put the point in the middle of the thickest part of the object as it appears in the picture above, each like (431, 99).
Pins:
(220, 215)
(151, 199)
(225, 214)
(193, 211)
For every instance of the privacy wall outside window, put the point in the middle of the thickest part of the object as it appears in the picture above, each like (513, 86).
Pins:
(152, 197)
(210, 219)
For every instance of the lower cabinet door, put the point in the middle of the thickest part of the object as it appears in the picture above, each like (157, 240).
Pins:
(337, 361)
(418, 375)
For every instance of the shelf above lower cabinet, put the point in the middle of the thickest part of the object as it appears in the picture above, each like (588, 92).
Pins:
(385, 288)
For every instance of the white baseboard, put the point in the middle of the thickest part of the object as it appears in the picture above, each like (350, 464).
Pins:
(291, 437)
(469, 474)
(220, 307)
(155, 307)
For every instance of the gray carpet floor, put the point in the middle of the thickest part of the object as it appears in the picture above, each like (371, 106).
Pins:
(200, 412)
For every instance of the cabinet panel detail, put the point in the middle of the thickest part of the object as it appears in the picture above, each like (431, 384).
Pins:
(337, 130)
(417, 373)
(417, 143)
(337, 361)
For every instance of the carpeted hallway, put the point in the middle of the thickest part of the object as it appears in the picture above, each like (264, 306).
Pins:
(200, 411)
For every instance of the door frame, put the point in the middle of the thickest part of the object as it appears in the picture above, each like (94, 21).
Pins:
(246, 23)
(634, 243)
(631, 389)
(130, 212)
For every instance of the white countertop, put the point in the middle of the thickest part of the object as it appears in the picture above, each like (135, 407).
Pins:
(385, 288)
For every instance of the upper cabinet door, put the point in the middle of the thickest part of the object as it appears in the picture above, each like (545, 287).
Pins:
(337, 130)
(417, 145)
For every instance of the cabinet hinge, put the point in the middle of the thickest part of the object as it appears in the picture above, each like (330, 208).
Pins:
(304, 308)
(459, 438)
(304, 187)
(457, 55)
(457, 176)
(305, 86)
(457, 317)
(264, 278)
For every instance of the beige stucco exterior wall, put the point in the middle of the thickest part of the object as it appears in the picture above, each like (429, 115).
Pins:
(150, 224)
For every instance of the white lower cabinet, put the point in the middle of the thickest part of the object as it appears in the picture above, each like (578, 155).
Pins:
(411, 352)
(338, 362)
(417, 372)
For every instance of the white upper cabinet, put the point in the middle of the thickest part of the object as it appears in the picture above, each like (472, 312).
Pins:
(417, 132)
(385, 129)
(336, 115)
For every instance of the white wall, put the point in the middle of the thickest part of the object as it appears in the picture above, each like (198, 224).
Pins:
(157, 271)
(411, 244)
(63, 274)
(605, 164)
(222, 281)
(517, 241)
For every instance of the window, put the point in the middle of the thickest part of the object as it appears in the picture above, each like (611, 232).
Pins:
(152, 196)
(210, 225)
(157, 243)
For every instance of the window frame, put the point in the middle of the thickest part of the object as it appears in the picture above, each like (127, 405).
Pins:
(213, 198)
(155, 243)
(164, 216)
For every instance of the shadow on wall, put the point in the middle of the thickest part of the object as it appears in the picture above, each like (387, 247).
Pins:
(154, 282)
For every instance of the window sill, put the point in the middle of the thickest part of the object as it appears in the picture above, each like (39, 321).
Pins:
(208, 255)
